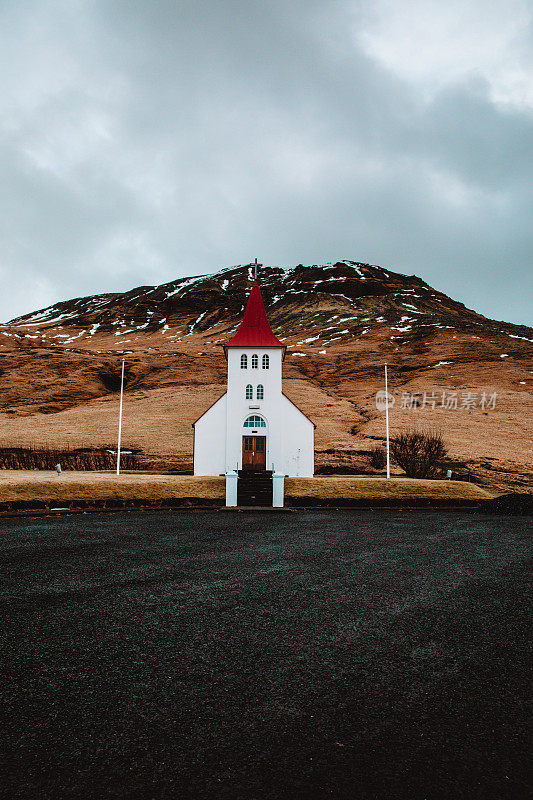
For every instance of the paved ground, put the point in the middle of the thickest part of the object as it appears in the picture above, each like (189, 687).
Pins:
(349, 655)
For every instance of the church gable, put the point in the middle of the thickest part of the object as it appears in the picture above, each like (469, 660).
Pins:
(288, 399)
(209, 410)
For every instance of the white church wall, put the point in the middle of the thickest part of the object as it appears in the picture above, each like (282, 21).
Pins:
(298, 455)
(210, 440)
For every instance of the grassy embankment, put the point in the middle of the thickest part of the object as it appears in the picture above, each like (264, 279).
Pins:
(87, 488)
(19, 488)
(339, 487)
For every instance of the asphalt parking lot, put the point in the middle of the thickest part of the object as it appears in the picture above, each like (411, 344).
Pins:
(324, 654)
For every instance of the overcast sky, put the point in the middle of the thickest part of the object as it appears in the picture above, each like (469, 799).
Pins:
(144, 140)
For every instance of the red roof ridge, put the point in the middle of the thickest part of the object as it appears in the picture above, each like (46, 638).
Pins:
(255, 330)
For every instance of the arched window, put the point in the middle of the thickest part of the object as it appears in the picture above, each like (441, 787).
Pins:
(265, 363)
(249, 392)
(260, 393)
(255, 362)
(244, 361)
(254, 422)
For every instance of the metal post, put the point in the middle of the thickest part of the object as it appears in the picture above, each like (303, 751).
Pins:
(387, 421)
(120, 418)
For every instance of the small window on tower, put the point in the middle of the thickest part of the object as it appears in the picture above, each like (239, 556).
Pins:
(265, 362)
(244, 361)
(260, 392)
(249, 392)
(255, 361)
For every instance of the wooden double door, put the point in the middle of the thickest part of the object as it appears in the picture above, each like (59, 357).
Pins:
(254, 452)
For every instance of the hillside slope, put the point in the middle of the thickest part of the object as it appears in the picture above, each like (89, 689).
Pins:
(59, 367)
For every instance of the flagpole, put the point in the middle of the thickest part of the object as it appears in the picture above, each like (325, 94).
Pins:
(120, 418)
(387, 421)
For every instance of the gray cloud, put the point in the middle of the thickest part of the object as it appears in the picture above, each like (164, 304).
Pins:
(144, 141)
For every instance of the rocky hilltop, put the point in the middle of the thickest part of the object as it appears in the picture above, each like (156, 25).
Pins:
(59, 367)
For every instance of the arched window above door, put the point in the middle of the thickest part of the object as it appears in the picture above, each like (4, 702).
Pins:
(254, 421)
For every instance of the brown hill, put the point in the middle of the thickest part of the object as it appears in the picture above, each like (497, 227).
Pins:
(60, 367)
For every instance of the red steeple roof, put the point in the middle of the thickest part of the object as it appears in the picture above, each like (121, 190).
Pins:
(255, 330)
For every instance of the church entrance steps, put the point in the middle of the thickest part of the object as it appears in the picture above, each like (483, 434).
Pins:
(255, 473)
(254, 488)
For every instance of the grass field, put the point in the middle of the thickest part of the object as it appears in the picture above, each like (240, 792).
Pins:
(69, 487)
(324, 655)
(354, 488)
(27, 486)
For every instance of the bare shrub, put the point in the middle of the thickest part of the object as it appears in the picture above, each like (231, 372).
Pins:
(418, 453)
(378, 457)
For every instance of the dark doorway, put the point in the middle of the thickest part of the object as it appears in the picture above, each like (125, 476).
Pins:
(254, 452)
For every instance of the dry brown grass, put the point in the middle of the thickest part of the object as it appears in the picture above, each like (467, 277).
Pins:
(158, 422)
(343, 487)
(95, 487)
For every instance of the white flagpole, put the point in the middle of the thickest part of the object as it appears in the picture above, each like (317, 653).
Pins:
(120, 418)
(387, 421)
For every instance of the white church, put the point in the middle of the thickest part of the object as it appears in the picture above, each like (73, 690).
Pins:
(254, 426)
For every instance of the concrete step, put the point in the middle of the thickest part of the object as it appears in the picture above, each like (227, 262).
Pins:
(254, 488)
